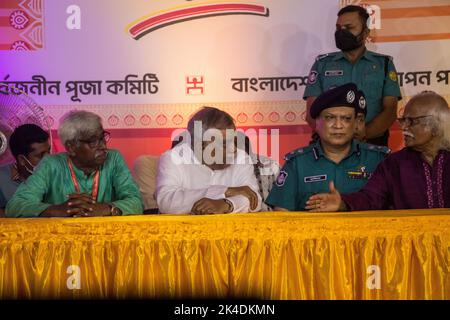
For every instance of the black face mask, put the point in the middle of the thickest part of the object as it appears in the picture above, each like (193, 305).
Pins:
(347, 41)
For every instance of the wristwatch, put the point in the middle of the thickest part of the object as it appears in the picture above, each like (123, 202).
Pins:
(114, 210)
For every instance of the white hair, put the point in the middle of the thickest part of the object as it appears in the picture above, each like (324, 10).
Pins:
(445, 125)
(439, 109)
(76, 125)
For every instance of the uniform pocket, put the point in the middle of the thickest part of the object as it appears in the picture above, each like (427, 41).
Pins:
(373, 84)
(333, 81)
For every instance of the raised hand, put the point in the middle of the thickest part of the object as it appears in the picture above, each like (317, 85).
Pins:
(326, 202)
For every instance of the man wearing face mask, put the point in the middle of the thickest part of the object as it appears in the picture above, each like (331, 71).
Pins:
(28, 144)
(373, 73)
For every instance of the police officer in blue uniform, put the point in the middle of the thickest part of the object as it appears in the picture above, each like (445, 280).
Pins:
(373, 73)
(335, 156)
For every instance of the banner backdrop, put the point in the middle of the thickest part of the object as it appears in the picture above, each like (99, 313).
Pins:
(149, 64)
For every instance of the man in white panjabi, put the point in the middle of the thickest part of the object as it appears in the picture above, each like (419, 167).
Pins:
(206, 173)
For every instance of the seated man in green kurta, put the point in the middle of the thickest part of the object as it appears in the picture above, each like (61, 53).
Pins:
(335, 156)
(87, 180)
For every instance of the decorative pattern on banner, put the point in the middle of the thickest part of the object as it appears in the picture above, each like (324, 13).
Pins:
(412, 20)
(195, 85)
(163, 116)
(190, 12)
(21, 24)
(160, 116)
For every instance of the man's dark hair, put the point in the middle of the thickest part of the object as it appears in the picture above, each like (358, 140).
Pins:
(178, 139)
(210, 118)
(363, 15)
(24, 136)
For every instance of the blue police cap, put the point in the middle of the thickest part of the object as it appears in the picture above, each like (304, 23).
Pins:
(346, 95)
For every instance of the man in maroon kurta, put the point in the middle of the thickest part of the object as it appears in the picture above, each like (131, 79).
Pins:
(416, 177)
(405, 181)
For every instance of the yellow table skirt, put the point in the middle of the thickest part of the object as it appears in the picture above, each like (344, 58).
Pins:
(262, 256)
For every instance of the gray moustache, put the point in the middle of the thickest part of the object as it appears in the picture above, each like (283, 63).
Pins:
(408, 134)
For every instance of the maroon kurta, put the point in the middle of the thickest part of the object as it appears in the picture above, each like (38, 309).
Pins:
(405, 181)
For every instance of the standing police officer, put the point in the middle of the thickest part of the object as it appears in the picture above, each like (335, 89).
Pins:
(373, 73)
(336, 156)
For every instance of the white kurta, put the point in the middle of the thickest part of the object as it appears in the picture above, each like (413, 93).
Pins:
(182, 180)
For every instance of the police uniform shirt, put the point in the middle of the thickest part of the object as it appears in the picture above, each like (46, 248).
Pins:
(307, 171)
(373, 73)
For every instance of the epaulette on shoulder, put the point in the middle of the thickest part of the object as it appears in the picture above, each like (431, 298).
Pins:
(391, 58)
(297, 152)
(323, 56)
(376, 148)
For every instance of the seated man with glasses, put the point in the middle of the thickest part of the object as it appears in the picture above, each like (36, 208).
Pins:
(87, 180)
(414, 178)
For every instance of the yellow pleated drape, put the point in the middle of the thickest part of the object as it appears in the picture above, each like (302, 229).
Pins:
(261, 256)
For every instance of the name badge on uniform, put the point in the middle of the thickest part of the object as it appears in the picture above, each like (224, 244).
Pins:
(334, 73)
(311, 179)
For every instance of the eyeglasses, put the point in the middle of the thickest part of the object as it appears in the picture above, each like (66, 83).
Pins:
(94, 143)
(411, 121)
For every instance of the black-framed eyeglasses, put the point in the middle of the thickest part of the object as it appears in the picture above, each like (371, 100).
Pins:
(412, 121)
(94, 143)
